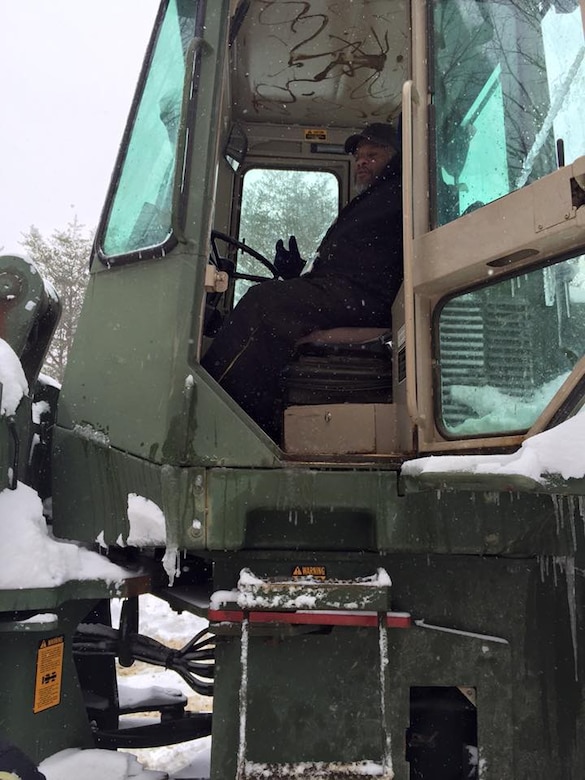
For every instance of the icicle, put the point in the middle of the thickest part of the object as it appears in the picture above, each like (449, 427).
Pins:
(567, 565)
(571, 597)
(171, 563)
(492, 497)
(549, 284)
(572, 508)
(293, 516)
(243, 701)
(581, 505)
(383, 640)
(557, 510)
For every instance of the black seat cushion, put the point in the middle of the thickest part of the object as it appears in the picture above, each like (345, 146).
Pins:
(338, 367)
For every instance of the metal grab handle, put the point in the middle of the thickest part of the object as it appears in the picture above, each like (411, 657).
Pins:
(409, 96)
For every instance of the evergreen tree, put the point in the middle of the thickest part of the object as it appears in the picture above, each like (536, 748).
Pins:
(63, 260)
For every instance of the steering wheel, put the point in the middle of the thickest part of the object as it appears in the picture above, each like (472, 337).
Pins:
(223, 264)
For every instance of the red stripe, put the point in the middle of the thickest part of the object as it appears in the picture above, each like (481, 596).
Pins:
(340, 618)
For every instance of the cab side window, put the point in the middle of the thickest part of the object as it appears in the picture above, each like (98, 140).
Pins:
(140, 212)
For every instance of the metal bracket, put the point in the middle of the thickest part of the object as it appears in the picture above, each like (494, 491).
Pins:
(215, 281)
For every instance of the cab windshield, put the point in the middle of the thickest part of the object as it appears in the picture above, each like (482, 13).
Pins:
(140, 211)
(508, 81)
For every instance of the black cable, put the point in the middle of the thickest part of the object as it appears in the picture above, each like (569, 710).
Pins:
(195, 662)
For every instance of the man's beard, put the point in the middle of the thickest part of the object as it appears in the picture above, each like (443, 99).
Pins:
(361, 186)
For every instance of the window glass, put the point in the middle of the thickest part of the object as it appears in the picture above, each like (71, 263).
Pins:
(140, 214)
(279, 203)
(506, 349)
(509, 81)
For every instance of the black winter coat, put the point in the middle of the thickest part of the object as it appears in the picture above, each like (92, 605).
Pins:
(364, 244)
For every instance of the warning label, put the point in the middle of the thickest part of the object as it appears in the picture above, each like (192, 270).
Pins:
(317, 572)
(49, 673)
(316, 134)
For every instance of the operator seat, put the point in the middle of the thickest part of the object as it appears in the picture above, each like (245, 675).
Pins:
(340, 365)
(337, 393)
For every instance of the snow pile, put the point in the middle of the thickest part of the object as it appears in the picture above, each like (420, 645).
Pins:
(147, 522)
(286, 600)
(556, 452)
(96, 765)
(187, 759)
(89, 433)
(158, 620)
(31, 558)
(12, 379)
(148, 528)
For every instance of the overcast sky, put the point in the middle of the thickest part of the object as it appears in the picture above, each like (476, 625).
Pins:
(68, 69)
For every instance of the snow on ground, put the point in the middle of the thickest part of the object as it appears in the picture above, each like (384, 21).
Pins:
(159, 621)
(95, 765)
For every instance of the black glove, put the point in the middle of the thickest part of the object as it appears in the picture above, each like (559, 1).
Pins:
(288, 262)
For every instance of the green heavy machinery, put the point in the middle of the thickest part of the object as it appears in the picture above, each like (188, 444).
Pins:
(366, 618)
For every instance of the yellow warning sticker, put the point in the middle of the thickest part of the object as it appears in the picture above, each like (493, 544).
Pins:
(316, 134)
(49, 673)
(317, 572)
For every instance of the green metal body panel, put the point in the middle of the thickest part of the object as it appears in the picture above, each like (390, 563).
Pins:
(133, 376)
(504, 627)
(363, 510)
(22, 295)
(496, 603)
(84, 510)
(28, 317)
(57, 612)
(303, 508)
(43, 733)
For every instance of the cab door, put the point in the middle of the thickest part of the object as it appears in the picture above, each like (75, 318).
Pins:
(494, 219)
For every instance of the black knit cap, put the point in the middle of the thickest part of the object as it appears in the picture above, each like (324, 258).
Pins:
(377, 133)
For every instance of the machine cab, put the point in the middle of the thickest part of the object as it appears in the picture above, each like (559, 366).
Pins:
(317, 548)
(235, 140)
